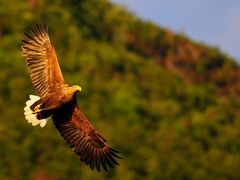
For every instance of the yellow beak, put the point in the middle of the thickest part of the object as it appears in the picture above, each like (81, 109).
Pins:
(78, 88)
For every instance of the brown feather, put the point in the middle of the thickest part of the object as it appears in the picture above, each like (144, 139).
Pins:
(42, 60)
(80, 135)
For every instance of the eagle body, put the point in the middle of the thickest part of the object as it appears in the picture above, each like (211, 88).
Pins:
(57, 100)
(53, 101)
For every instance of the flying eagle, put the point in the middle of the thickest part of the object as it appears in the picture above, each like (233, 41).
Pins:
(58, 100)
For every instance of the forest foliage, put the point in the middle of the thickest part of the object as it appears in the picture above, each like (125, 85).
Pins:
(168, 104)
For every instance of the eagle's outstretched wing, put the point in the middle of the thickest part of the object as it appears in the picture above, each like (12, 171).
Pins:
(42, 60)
(85, 141)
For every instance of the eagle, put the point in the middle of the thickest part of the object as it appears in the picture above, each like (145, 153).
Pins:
(57, 100)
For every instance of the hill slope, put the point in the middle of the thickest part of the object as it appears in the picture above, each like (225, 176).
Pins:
(168, 104)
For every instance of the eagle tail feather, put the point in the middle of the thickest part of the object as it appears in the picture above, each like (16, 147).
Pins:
(32, 116)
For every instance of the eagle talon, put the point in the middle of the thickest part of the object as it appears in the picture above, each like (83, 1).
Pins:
(37, 108)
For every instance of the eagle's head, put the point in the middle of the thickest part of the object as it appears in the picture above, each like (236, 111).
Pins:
(70, 92)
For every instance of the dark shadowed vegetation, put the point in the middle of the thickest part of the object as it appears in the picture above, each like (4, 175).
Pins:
(169, 105)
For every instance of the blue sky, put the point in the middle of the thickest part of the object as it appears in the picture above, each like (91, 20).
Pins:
(215, 22)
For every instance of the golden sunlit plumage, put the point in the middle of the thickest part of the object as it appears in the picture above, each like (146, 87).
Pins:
(58, 100)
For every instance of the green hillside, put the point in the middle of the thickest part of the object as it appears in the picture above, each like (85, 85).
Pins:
(168, 104)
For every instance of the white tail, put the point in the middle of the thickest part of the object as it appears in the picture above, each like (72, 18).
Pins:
(31, 116)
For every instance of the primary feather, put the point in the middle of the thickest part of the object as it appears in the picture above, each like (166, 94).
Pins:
(42, 60)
